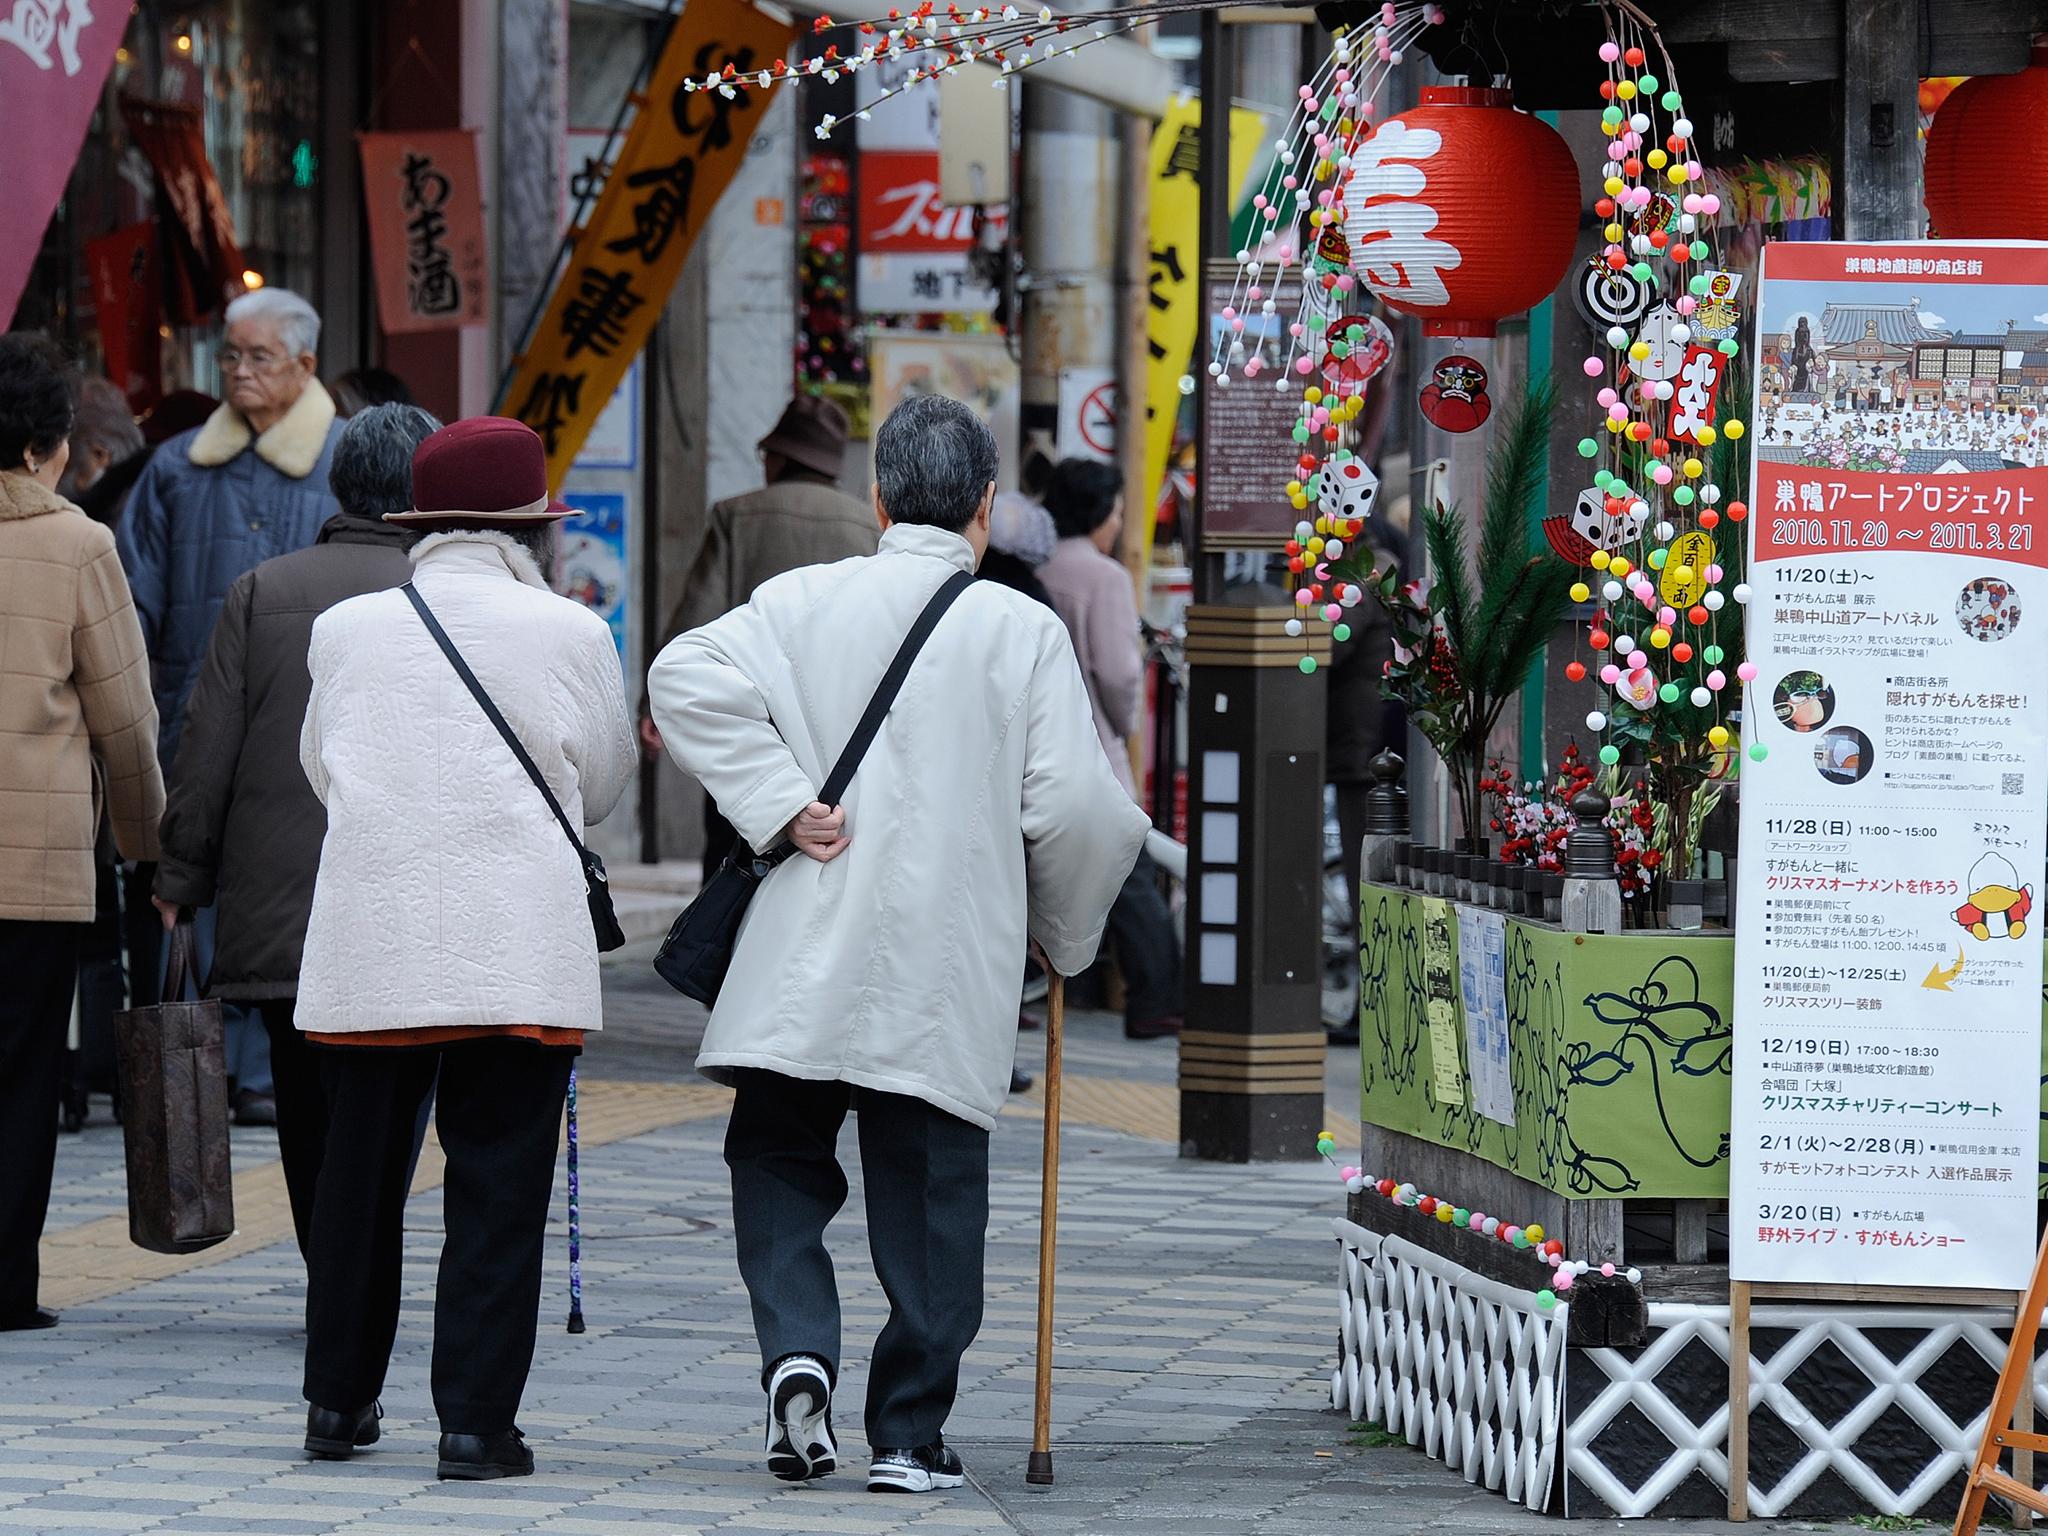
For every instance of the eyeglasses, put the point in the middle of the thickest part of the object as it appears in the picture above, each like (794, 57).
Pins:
(259, 361)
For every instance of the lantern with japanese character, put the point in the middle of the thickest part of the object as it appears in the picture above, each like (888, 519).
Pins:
(1462, 211)
(1978, 188)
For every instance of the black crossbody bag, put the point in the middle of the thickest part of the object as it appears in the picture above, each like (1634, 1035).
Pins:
(698, 951)
(597, 889)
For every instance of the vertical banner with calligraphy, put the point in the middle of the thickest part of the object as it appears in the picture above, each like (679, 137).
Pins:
(678, 157)
(1895, 791)
(423, 195)
(127, 303)
(54, 59)
(1174, 319)
(204, 266)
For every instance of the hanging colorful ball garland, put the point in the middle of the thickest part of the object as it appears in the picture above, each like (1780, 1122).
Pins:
(1650, 527)
(1299, 310)
(1530, 1237)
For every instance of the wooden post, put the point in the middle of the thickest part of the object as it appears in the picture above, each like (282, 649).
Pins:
(1038, 1467)
(1877, 185)
(1689, 1231)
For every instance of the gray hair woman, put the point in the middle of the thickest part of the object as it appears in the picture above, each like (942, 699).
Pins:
(242, 830)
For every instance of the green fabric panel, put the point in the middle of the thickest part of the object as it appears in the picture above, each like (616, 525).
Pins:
(1619, 1050)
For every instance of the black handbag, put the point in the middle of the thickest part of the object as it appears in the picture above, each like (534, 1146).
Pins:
(174, 1115)
(698, 950)
(597, 888)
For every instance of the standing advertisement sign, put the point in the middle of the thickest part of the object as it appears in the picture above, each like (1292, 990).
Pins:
(1888, 959)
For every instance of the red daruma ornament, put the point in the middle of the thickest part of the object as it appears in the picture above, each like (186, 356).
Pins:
(1980, 184)
(1462, 210)
(1455, 397)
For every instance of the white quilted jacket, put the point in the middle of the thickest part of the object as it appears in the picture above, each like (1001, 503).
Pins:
(447, 893)
(985, 805)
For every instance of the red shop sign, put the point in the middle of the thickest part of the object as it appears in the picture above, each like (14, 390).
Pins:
(900, 208)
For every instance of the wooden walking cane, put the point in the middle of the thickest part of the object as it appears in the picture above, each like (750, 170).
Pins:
(1038, 1469)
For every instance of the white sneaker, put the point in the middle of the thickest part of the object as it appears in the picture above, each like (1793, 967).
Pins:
(917, 1470)
(800, 1444)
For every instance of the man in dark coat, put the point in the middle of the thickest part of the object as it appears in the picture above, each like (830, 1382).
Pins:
(242, 828)
(800, 517)
(209, 505)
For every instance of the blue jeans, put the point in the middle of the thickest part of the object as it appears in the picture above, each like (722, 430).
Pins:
(248, 1043)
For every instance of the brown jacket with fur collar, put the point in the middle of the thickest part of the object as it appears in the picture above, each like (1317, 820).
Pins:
(76, 717)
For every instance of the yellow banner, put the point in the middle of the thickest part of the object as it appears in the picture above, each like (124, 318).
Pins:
(1174, 322)
(679, 155)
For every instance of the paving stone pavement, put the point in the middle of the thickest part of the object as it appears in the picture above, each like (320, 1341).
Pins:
(1195, 1320)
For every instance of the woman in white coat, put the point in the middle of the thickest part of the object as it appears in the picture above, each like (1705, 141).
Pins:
(450, 934)
(880, 972)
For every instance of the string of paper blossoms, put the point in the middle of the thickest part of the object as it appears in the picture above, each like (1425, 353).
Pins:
(1564, 1272)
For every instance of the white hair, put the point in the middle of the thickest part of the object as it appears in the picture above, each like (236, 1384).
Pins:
(298, 323)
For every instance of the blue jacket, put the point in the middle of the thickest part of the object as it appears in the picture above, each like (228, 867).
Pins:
(211, 504)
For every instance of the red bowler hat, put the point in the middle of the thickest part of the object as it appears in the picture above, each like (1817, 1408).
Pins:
(486, 472)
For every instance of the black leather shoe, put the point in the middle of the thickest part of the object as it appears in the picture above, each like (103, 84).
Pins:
(34, 1317)
(335, 1436)
(477, 1458)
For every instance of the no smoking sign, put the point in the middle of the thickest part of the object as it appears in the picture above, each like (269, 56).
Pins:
(1088, 413)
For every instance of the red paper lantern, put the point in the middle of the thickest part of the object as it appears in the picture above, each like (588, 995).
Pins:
(1980, 185)
(1462, 210)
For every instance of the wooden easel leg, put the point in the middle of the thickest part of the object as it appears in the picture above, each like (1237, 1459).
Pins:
(2023, 1456)
(1738, 1400)
(2014, 1399)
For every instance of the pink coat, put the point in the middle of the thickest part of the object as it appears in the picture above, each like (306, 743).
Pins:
(1094, 596)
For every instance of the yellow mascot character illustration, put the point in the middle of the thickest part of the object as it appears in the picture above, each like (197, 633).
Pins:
(1998, 904)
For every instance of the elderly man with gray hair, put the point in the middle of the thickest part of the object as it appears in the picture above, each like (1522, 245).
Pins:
(242, 828)
(213, 503)
(879, 971)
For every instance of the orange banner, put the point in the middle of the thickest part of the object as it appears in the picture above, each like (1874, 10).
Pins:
(679, 155)
(423, 194)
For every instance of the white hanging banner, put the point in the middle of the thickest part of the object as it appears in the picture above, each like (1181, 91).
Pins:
(1888, 959)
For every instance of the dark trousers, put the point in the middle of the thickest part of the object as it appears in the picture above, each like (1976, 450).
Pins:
(500, 1118)
(1148, 955)
(301, 1112)
(926, 1178)
(38, 975)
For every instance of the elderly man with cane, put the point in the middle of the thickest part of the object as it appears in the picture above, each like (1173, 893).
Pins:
(878, 973)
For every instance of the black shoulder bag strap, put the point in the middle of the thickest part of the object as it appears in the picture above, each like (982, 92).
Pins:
(490, 709)
(700, 946)
(878, 707)
(891, 684)
(596, 884)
